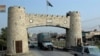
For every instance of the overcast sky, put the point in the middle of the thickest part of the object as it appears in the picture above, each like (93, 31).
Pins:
(89, 9)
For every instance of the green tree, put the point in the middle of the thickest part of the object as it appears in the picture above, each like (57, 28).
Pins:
(97, 43)
(3, 37)
(2, 42)
(54, 35)
(3, 34)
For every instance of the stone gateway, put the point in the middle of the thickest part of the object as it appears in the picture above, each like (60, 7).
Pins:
(19, 21)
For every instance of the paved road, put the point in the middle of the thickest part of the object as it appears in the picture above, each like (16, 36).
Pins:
(37, 52)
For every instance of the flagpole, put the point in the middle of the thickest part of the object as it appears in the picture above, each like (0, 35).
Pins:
(48, 4)
(46, 7)
(46, 10)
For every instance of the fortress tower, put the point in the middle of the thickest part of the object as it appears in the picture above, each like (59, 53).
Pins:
(17, 41)
(75, 31)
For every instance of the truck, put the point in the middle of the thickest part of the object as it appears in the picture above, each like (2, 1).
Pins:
(85, 51)
(44, 41)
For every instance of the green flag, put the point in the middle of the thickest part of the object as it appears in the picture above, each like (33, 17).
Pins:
(49, 4)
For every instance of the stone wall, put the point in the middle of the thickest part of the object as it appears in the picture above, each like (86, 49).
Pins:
(34, 20)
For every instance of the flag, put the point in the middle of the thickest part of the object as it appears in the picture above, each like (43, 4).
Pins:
(2, 8)
(49, 4)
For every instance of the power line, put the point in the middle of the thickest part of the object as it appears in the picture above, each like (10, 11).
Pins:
(89, 20)
(93, 27)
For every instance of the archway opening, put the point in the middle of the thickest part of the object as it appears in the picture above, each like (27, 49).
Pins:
(58, 35)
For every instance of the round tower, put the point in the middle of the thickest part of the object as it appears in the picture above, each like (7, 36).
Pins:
(75, 31)
(17, 41)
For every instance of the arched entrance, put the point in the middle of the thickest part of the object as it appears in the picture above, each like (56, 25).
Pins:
(55, 33)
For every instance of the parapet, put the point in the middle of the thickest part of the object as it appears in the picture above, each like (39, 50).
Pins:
(46, 15)
(73, 13)
(16, 8)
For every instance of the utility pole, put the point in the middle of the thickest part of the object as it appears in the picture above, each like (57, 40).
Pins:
(99, 27)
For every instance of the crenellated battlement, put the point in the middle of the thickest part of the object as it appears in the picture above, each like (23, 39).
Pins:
(46, 15)
(16, 7)
(73, 13)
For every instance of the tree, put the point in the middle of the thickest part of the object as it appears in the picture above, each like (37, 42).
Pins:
(54, 35)
(2, 42)
(3, 38)
(3, 34)
(95, 30)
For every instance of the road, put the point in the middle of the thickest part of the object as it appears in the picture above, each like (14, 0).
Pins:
(55, 52)
(37, 52)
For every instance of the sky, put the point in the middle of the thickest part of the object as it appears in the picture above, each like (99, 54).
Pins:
(89, 10)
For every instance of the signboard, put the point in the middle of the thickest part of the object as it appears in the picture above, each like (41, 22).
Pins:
(2, 8)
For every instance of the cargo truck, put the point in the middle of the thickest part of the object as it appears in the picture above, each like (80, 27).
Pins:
(44, 41)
